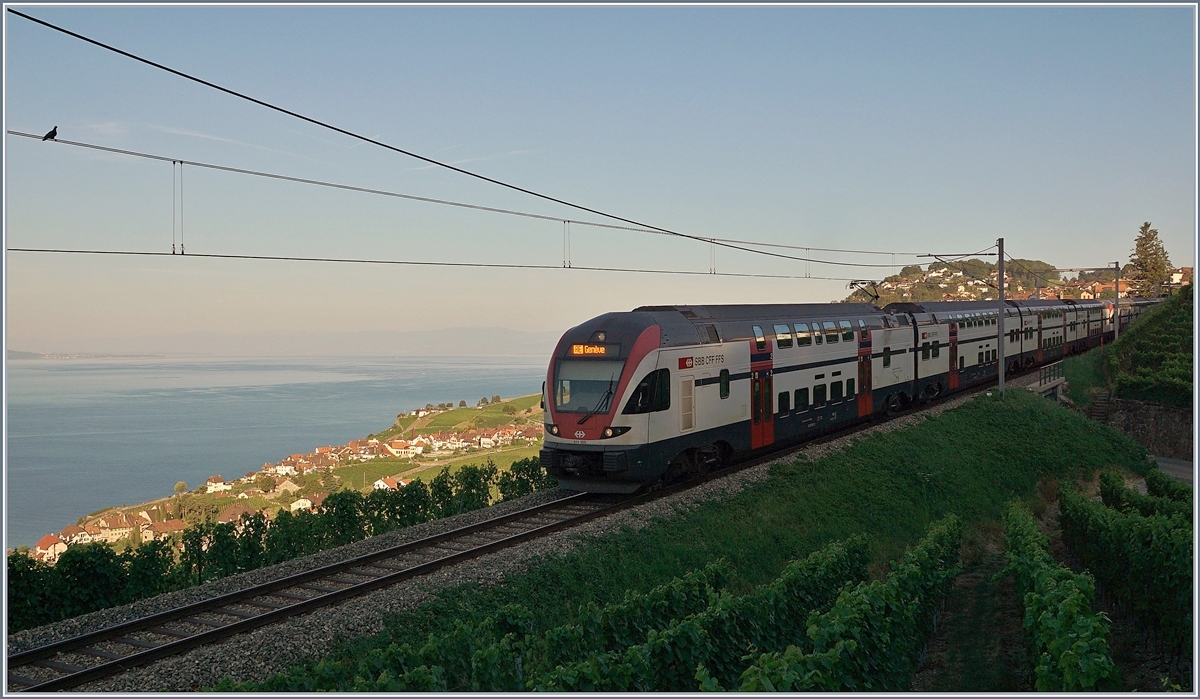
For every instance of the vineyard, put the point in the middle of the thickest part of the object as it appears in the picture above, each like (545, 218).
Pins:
(686, 635)
(1067, 639)
(1153, 360)
(1139, 547)
(747, 592)
(89, 577)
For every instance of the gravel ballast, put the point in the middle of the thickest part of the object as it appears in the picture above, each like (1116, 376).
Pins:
(256, 655)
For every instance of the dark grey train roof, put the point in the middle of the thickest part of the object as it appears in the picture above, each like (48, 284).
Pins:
(760, 311)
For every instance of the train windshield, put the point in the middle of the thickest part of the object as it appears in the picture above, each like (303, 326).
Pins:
(585, 386)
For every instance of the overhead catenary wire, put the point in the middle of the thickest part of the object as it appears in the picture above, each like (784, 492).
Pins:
(464, 205)
(402, 151)
(418, 263)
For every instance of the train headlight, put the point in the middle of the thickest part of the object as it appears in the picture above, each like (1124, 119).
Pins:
(613, 432)
(552, 429)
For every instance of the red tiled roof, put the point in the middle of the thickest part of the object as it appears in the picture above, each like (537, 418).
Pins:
(47, 541)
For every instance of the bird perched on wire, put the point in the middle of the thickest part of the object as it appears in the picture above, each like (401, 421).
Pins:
(52, 136)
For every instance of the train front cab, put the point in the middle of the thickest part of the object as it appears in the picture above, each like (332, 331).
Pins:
(602, 385)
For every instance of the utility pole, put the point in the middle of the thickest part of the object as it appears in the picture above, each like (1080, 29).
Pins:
(1000, 324)
(1117, 301)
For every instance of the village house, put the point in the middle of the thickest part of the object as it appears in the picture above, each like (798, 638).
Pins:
(158, 531)
(216, 484)
(300, 504)
(49, 548)
(389, 483)
(74, 534)
(233, 515)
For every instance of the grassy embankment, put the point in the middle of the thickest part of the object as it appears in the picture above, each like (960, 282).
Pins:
(1151, 361)
(969, 461)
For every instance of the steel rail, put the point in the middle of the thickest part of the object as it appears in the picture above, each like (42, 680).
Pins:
(113, 633)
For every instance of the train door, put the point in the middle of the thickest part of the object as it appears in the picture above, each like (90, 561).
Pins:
(866, 404)
(953, 380)
(762, 423)
(1040, 343)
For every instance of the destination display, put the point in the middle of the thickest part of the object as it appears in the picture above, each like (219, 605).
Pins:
(610, 350)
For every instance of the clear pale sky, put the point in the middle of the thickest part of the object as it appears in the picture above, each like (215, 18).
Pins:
(911, 129)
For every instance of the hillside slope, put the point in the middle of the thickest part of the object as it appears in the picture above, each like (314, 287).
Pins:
(1152, 361)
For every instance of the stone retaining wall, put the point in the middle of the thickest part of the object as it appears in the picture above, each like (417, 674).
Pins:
(1163, 430)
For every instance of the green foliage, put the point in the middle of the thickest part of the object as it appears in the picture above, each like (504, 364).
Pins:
(496, 651)
(887, 486)
(33, 595)
(1161, 485)
(1152, 361)
(94, 576)
(871, 639)
(1117, 496)
(722, 635)
(1066, 637)
(1084, 372)
(90, 577)
(1146, 562)
(524, 477)
(1151, 266)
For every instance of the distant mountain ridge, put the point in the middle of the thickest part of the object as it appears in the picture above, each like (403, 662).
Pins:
(461, 341)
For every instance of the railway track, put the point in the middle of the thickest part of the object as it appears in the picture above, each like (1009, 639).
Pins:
(106, 652)
(92, 656)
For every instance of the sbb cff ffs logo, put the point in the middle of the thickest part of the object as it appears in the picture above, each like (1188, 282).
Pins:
(686, 362)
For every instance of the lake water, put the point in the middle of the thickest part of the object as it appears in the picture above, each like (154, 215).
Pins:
(84, 434)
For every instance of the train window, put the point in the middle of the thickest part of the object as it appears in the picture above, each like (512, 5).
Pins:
(962, 362)
(835, 391)
(653, 393)
(819, 394)
(801, 399)
(803, 339)
(887, 356)
(760, 340)
(831, 332)
(981, 357)
(847, 330)
(708, 333)
(935, 348)
(756, 401)
(862, 328)
(903, 320)
(816, 330)
(783, 336)
(724, 384)
(785, 403)
(924, 351)
(849, 387)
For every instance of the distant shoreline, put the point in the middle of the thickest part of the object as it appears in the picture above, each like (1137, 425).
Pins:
(17, 354)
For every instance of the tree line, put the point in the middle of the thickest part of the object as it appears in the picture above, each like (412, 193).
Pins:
(89, 577)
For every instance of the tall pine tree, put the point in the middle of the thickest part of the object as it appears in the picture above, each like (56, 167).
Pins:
(1151, 266)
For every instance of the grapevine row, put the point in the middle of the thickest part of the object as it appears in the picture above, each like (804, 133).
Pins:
(870, 640)
(1115, 495)
(1067, 639)
(1146, 562)
(722, 635)
(1161, 485)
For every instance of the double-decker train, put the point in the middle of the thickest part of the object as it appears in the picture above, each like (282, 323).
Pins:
(673, 391)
